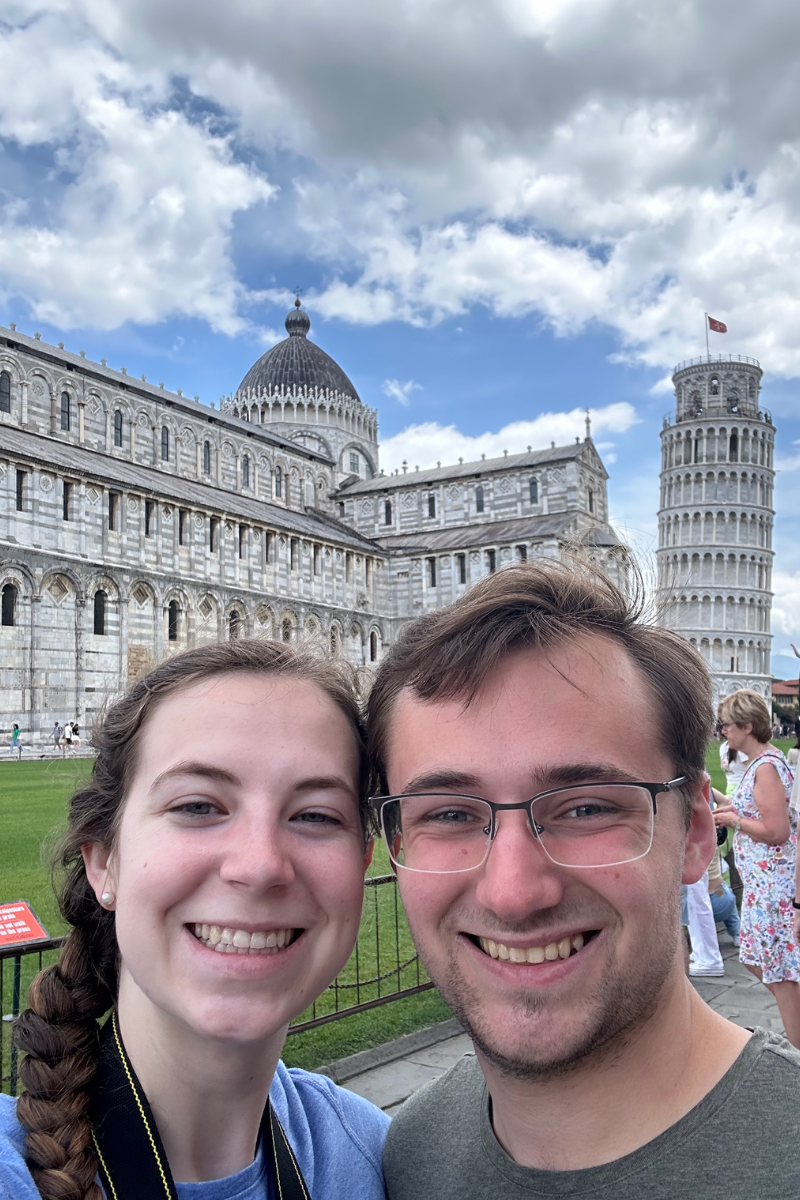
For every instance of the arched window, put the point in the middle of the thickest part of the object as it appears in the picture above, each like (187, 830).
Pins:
(206, 458)
(479, 499)
(432, 505)
(8, 605)
(534, 491)
(173, 616)
(118, 428)
(278, 482)
(164, 443)
(387, 513)
(65, 411)
(234, 625)
(733, 453)
(100, 613)
(286, 630)
(245, 471)
(335, 639)
(591, 501)
(373, 646)
(714, 386)
(5, 392)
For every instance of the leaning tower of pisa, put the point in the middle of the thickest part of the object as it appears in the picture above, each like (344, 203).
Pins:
(715, 520)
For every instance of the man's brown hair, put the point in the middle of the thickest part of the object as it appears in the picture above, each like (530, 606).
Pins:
(448, 654)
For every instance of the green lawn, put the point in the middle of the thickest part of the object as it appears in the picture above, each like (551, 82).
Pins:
(33, 798)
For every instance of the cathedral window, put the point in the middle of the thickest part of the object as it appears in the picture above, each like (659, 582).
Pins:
(294, 547)
(100, 613)
(491, 561)
(65, 411)
(733, 452)
(5, 392)
(278, 482)
(335, 639)
(118, 428)
(213, 534)
(348, 567)
(354, 463)
(479, 499)
(432, 505)
(246, 471)
(8, 605)
(206, 458)
(591, 501)
(235, 625)
(242, 541)
(387, 513)
(373, 646)
(113, 510)
(714, 386)
(432, 572)
(461, 564)
(173, 617)
(66, 496)
(522, 554)
(317, 558)
(20, 490)
(183, 518)
(164, 443)
(268, 545)
(149, 517)
(286, 629)
(534, 491)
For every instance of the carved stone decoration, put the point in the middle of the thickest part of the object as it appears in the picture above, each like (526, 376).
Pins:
(141, 595)
(199, 521)
(416, 566)
(92, 495)
(506, 485)
(206, 607)
(366, 508)
(133, 504)
(227, 450)
(475, 556)
(263, 464)
(58, 589)
(229, 526)
(409, 500)
(2, 471)
(306, 549)
(38, 388)
(46, 483)
(142, 420)
(167, 512)
(327, 554)
(95, 407)
(454, 492)
(338, 556)
(282, 539)
(556, 477)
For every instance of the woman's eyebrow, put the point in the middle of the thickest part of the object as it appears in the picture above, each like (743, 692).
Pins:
(324, 783)
(195, 767)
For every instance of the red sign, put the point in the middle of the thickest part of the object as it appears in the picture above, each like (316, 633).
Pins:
(19, 925)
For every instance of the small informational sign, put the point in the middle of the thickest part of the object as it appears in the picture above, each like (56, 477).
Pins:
(19, 925)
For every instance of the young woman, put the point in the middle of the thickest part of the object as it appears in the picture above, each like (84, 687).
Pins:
(215, 866)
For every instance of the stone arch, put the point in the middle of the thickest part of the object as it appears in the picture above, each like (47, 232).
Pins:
(265, 621)
(287, 626)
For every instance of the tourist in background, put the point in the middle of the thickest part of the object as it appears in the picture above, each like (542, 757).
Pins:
(793, 757)
(214, 889)
(56, 735)
(16, 744)
(765, 843)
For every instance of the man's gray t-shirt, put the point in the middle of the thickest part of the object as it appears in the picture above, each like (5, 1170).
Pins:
(742, 1140)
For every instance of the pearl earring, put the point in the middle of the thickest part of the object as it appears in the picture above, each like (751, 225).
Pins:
(107, 898)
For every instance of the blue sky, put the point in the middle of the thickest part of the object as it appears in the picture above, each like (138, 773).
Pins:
(499, 213)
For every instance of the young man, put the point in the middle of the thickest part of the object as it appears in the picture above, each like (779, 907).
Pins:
(541, 871)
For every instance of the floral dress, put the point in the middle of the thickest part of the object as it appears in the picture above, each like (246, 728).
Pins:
(768, 877)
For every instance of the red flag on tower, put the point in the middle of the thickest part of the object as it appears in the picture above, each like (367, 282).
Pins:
(717, 326)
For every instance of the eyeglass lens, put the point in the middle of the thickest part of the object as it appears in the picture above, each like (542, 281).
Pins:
(577, 827)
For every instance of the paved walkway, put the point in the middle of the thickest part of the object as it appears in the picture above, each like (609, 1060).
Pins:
(389, 1074)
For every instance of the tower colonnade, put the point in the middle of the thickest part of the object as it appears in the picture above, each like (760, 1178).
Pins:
(715, 520)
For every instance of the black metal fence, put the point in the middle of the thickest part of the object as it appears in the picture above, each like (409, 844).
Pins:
(383, 967)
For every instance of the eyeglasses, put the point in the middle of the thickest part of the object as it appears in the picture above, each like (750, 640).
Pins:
(588, 825)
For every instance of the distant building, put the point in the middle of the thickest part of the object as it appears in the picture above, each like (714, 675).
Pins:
(784, 693)
(135, 522)
(715, 520)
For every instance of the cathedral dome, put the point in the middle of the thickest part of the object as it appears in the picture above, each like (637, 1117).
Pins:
(297, 362)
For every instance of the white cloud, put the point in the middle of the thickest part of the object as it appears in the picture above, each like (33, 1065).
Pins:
(401, 392)
(426, 444)
(786, 607)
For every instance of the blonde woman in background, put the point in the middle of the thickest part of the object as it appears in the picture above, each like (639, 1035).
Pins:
(765, 844)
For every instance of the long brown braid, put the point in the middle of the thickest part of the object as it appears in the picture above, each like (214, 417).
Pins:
(59, 1031)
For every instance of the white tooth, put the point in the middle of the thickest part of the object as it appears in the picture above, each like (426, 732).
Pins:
(492, 948)
(242, 949)
(517, 955)
(226, 937)
(198, 931)
(230, 949)
(551, 951)
(281, 938)
(220, 947)
(214, 934)
(502, 952)
(241, 940)
(564, 947)
(536, 954)
(258, 941)
(272, 939)
(204, 933)
(577, 942)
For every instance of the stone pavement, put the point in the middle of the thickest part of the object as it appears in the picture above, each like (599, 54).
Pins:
(389, 1074)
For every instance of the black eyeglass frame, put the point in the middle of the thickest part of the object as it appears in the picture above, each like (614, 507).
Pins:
(376, 803)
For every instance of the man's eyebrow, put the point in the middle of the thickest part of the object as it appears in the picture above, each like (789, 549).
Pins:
(195, 767)
(432, 781)
(318, 783)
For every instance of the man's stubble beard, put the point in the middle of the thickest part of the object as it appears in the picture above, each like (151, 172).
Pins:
(616, 1012)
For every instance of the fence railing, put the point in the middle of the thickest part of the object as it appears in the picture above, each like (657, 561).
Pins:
(383, 967)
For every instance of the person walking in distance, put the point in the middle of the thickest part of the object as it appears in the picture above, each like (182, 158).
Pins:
(16, 744)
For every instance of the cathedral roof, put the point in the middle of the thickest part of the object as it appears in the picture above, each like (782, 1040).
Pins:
(570, 525)
(297, 362)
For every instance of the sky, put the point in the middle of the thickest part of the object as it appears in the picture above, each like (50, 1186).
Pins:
(500, 212)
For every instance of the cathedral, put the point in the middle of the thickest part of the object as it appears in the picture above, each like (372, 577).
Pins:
(135, 521)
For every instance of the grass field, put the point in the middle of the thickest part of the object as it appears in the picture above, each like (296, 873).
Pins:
(33, 798)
